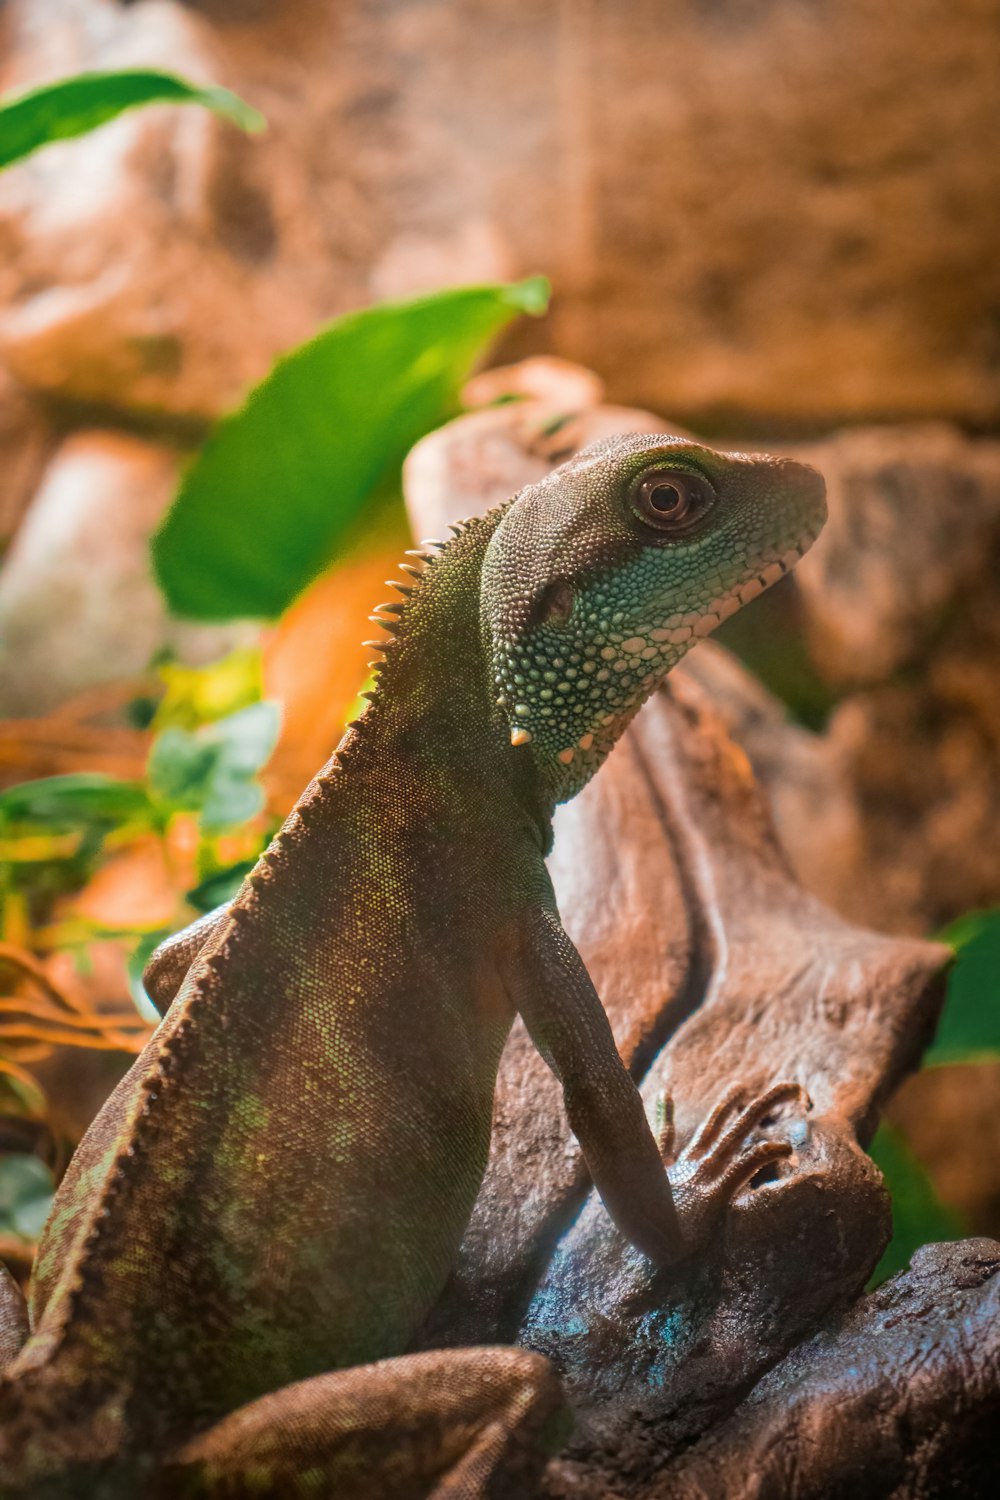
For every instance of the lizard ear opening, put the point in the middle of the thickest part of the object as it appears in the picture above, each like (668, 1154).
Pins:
(554, 604)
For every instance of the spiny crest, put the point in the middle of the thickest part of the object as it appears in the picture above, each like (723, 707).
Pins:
(390, 616)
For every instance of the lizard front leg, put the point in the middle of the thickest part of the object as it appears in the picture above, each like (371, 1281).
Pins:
(169, 963)
(666, 1208)
(452, 1424)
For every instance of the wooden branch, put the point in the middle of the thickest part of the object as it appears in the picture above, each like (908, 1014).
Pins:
(899, 1397)
(715, 968)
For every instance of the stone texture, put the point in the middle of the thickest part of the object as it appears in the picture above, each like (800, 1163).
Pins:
(900, 606)
(78, 604)
(26, 441)
(715, 968)
(898, 1398)
(773, 214)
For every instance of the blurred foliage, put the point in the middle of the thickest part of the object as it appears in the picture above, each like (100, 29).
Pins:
(279, 493)
(199, 695)
(204, 760)
(968, 1032)
(918, 1215)
(212, 770)
(74, 106)
(200, 803)
(26, 1188)
(274, 492)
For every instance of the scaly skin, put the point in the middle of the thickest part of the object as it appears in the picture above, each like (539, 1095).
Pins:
(277, 1190)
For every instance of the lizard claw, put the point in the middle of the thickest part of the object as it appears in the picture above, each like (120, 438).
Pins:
(721, 1159)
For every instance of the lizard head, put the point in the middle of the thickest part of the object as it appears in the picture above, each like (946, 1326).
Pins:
(601, 576)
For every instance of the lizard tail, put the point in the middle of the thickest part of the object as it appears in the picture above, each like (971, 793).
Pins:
(60, 1437)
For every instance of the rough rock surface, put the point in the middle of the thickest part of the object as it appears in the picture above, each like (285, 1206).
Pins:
(740, 978)
(78, 604)
(778, 213)
(892, 813)
(898, 1397)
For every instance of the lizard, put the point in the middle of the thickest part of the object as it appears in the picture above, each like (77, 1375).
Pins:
(258, 1220)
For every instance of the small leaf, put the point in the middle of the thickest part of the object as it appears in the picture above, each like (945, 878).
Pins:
(969, 1029)
(198, 695)
(918, 1215)
(26, 1189)
(74, 106)
(220, 888)
(211, 770)
(231, 799)
(277, 486)
(180, 767)
(71, 801)
(246, 739)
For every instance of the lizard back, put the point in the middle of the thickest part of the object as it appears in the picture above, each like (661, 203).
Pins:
(351, 985)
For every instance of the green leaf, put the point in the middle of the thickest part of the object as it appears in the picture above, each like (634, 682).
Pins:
(969, 1029)
(179, 768)
(69, 801)
(247, 738)
(74, 106)
(26, 1189)
(221, 887)
(211, 770)
(197, 695)
(918, 1215)
(232, 799)
(278, 484)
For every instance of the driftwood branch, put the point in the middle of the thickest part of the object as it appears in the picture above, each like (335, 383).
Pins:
(716, 968)
(899, 1397)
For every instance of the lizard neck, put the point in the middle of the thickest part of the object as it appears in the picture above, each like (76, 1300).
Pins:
(433, 703)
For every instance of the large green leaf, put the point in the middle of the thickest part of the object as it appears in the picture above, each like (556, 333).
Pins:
(72, 106)
(85, 798)
(969, 1030)
(261, 510)
(918, 1215)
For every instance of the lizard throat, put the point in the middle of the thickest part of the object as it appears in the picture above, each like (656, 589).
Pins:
(565, 698)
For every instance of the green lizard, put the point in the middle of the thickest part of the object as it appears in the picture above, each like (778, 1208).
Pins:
(278, 1188)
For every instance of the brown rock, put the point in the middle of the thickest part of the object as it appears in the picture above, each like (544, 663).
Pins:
(778, 214)
(715, 968)
(78, 604)
(899, 1398)
(901, 611)
(913, 532)
(26, 442)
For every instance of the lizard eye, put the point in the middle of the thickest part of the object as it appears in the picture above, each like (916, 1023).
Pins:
(671, 500)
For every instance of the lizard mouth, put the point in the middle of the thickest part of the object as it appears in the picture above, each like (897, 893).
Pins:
(722, 608)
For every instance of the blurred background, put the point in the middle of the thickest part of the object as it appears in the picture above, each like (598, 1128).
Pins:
(775, 224)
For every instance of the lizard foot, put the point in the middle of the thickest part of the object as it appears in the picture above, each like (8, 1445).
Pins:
(722, 1156)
